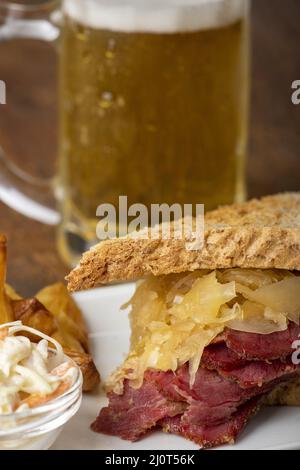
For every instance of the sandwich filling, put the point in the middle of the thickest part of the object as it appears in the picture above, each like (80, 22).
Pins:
(206, 348)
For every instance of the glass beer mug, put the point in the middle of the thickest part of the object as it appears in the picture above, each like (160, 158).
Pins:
(153, 105)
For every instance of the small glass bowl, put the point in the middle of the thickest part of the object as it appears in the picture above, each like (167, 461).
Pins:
(38, 428)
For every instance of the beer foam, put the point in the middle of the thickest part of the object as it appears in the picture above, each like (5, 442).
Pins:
(155, 16)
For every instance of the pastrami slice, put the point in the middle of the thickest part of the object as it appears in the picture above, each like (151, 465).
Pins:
(212, 436)
(264, 347)
(135, 412)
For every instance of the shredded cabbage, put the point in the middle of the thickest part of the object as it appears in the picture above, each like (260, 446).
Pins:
(30, 374)
(174, 317)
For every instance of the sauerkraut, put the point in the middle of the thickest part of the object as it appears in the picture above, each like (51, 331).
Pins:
(174, 317)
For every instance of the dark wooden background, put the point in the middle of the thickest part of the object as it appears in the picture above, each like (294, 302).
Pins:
(28, 129)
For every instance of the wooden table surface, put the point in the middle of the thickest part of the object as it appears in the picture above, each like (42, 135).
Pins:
(28, 129)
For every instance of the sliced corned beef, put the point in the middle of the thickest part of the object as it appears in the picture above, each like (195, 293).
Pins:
(219, 356)
(205, 409)
(265, 347)
(212, 398)
(258, 373)
(211, 436)
(234, 375)
(134, 412)
(247, 373)
(211, 388)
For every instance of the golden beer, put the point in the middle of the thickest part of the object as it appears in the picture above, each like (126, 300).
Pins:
(152, 109)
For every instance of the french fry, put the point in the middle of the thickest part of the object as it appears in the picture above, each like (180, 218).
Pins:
(72, 329)
(11, 293)
(71, 332)
(53, 312)
(32, 313)
(6, 312)
(91, 377)
(68, 341)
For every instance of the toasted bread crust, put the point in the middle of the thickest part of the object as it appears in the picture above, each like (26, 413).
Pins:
(285, 394)
(261, 234)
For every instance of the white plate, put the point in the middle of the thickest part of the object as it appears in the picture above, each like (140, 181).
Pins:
(273, 428)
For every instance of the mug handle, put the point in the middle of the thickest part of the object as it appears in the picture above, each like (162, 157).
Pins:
(19, 190)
